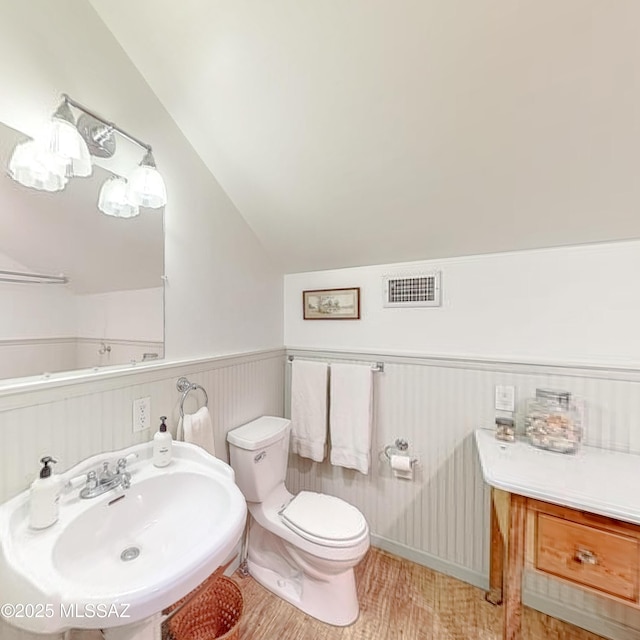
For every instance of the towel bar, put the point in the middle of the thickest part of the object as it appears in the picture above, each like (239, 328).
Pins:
(377, 367)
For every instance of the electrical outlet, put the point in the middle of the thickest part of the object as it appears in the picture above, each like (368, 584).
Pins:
(141, 414)
(505, 398)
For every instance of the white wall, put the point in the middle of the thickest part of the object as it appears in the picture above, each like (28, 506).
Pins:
(128, 323)
(218, 273)
(23, 358)
(577, 304)
(129, 315)
(41, 310)
(24, 306)
(27, 344)
(48, 328)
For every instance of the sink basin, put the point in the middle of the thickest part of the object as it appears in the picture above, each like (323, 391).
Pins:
(124, 556)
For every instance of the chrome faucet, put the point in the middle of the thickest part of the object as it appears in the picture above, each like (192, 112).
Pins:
(99, 482)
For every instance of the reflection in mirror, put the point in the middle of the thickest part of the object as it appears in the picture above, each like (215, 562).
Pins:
(110, 309)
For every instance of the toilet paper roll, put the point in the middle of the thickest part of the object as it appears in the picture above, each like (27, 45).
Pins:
(401, 463)
(402, 467)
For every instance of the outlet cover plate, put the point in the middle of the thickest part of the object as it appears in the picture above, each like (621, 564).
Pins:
(141, 414)
(505, 398)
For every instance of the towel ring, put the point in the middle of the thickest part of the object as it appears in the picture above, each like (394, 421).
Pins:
(184, 386)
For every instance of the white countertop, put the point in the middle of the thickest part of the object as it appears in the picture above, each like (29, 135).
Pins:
(593, 480)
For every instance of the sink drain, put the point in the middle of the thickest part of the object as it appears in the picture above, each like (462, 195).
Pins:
(130, 553)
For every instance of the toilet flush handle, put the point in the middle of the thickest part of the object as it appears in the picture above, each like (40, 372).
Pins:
(261, 456)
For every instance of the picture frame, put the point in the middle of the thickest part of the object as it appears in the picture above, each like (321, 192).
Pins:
(331, 304)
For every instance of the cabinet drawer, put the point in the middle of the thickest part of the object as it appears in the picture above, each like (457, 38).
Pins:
(591, 557)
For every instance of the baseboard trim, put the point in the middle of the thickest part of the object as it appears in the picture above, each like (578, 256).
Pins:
(585, 619)
(432, 562)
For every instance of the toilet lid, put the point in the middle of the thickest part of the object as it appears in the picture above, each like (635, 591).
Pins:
(324, 519)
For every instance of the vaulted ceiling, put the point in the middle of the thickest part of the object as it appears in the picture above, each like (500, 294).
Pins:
(352, 132)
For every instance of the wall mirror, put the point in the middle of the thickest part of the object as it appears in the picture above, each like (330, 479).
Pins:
(108, 307)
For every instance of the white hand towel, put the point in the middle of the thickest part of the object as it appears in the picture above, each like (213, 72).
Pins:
(350, 418)
(198, 428)
(309, 409)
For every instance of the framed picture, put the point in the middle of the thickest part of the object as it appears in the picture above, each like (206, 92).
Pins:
(331, 304)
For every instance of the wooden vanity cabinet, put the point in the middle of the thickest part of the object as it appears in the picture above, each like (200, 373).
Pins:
(572, 518)
(596, 555)
(589, 551)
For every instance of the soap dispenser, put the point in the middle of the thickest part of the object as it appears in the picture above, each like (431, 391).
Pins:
(44, 497)
(162, 442)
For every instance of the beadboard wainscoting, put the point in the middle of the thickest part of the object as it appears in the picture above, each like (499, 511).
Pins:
(74, 421)
(441, 518)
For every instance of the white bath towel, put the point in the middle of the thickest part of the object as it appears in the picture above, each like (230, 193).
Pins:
(350, 417)
(309, 409)
(198, 429)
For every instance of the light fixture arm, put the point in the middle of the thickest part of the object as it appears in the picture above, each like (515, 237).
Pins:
(111, 125)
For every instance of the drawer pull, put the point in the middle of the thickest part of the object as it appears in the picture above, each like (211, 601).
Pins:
(583, 556)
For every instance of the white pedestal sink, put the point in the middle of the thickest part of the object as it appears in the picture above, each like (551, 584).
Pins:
(122, 557)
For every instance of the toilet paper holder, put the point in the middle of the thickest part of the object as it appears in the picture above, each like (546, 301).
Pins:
(399, 448)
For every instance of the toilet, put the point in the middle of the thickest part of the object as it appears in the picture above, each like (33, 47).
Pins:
(303, 548)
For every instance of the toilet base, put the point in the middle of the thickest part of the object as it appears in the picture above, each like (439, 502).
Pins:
(326, 590)
(333, 601)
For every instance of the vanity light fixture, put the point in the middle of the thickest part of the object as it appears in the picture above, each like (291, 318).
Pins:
(64, 149)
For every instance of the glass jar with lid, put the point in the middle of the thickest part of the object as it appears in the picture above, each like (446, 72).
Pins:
(552, 421)
(505, 429)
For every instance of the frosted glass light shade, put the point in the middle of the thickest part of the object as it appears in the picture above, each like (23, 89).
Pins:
(35, 166)
(82, 166)
(113, 199)
(63, 139)
(65, 142)
(146, 187)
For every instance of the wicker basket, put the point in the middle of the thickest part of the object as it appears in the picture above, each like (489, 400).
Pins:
(213, 613)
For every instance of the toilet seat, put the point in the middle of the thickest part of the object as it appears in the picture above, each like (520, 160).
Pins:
(324, 520)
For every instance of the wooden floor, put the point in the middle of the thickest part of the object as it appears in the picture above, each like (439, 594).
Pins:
(399, 600)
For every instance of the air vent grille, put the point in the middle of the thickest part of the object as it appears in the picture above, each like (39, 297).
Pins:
(420, 290)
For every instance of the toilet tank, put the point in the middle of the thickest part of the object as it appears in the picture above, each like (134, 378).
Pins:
(258, 454)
